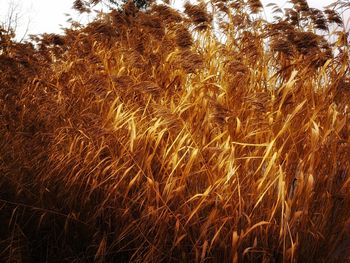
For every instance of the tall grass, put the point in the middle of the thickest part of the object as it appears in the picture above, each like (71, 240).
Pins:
(158, 136)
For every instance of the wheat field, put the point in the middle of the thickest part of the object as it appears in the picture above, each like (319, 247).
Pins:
(153, 135)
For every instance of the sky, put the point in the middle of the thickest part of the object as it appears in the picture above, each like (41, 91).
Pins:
(39, 16)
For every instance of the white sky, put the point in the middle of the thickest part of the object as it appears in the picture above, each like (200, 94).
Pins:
(47, 15)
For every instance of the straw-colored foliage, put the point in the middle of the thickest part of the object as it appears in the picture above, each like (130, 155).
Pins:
(157, 136)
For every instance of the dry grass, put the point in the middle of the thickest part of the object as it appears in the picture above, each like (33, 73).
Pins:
(134, 139)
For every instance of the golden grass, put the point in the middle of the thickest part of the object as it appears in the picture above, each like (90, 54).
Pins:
(143, 137)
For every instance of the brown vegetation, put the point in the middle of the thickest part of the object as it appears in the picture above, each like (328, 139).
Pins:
(143, 137)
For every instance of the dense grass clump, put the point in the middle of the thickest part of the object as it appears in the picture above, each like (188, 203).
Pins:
(157, 136)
